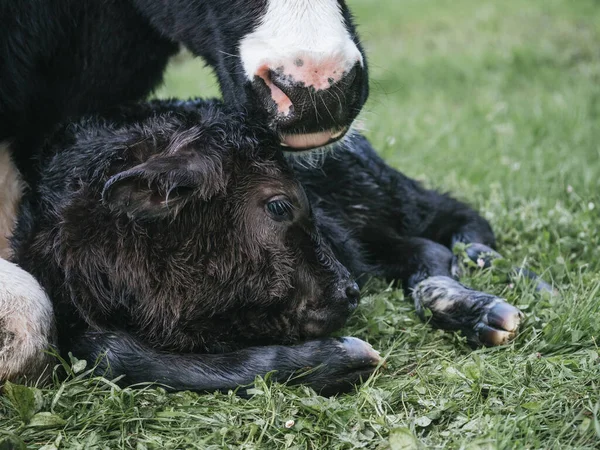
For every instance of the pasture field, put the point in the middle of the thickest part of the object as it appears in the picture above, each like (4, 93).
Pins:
(499, 103)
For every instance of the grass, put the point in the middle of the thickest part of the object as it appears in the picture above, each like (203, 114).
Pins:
(498, 102)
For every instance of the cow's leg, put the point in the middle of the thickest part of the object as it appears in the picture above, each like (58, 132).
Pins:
(26, 325)
(331, 365)
(426, 270)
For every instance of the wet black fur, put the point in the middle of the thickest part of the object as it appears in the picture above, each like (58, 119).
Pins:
(61, 59)
(147, 228)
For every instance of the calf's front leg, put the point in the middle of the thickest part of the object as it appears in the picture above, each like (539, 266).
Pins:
(332, 365)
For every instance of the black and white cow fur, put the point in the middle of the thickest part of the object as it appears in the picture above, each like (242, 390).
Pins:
(297, 66)
(174, 237)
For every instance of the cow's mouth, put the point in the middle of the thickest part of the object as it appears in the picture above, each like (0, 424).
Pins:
(295, 142)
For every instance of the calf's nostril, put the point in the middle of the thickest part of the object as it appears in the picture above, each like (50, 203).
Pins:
(353, 292)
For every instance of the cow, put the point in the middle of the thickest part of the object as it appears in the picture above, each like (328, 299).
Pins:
(297, 64)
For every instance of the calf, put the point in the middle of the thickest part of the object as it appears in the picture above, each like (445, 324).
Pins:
(175, 238)
(298, 66)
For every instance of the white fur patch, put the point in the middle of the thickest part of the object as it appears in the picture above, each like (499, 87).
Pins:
(26, 324)
(26, 316)
(11, 189)
(301, 36)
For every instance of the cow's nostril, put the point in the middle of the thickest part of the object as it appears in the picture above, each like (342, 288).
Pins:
(310, 104)
(353, 292)
(349, 78)
(283, 104)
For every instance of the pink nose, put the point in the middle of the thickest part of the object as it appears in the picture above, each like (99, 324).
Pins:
(303, 71)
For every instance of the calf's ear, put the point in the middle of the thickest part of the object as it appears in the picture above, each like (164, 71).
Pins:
(161, 185)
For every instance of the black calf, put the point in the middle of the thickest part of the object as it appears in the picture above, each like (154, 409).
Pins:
(176, 239)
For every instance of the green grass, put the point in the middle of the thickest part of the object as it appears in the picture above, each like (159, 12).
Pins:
(498, 102)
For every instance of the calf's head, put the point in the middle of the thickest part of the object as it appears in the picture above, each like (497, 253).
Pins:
(195, 237)
(299, 64)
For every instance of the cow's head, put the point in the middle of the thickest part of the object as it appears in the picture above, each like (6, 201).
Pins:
(297, 63)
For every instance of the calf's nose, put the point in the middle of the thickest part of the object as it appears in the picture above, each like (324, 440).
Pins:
(352, 294)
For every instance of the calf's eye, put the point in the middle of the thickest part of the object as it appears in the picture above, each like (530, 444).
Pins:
(280, 209)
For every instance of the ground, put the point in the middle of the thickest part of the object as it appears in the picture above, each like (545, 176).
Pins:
(499, 103)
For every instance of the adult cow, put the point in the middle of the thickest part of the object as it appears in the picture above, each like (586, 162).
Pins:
(297, 64)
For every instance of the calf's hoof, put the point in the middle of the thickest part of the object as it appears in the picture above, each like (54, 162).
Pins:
(338, 364)
(359, 353)
(483, 318)
(483, 256)
(498, 324)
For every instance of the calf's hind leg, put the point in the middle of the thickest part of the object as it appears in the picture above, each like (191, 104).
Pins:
(483, 256)
(426, 270)
(405, 233)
